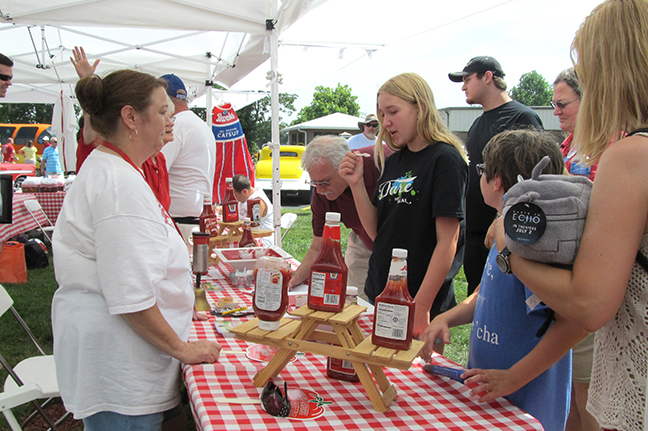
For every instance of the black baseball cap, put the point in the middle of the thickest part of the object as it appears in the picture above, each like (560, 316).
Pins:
(478, 65)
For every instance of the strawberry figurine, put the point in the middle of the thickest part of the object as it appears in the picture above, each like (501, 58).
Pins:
(273, 401)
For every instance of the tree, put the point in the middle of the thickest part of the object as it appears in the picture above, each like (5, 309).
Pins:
(328, 101)
(256, 119)
(26, 113)
(533, 90)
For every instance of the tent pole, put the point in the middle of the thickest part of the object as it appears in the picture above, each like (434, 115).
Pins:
(274, 100)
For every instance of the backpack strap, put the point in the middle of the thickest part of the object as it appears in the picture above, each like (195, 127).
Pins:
(642, 260)
(642, 130)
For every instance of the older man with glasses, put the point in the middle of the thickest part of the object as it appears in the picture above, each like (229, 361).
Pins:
(6, 74)
(321, 160)
(369, 129)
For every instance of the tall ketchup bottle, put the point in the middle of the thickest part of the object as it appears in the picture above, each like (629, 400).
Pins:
(328, 278)
(394, 307)
(230, 204)
(208, 221)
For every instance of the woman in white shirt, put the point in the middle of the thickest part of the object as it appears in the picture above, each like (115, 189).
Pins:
(122, 313)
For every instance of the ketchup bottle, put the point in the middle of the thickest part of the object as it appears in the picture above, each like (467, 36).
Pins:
(270, 300)
(254, 211)
(247, 240)
(208, 220)
(328, 278)
(394, 307)
(230, 204)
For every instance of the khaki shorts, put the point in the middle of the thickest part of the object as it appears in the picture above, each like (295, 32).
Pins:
(356, 258)
(582, 356)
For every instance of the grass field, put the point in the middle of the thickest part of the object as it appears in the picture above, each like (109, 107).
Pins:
(33, 300)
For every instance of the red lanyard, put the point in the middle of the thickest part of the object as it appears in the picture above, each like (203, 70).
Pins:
(130, 162)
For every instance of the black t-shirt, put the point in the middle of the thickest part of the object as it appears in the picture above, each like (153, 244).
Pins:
(414, 189)
(511, 115)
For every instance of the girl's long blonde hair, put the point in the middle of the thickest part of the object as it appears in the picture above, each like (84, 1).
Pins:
(413, 89)
(610, 53)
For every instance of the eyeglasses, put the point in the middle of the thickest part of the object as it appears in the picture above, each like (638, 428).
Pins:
(4, 77)
(320, 183)
(480, 169)
(561, 105)
(371, 124)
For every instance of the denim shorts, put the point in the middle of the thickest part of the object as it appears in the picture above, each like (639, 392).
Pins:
(111, 421)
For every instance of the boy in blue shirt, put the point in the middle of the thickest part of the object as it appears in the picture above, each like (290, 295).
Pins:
(505, 356)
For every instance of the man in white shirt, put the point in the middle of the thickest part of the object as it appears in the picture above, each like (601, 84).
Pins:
(190, 157)
(369, 130)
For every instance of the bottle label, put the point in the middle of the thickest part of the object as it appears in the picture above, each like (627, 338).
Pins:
(326, 288)
(391, 320)
(269, 283)
(341, 366)
(256, 213)
(230, 212)
(211, 226)
(398, 267)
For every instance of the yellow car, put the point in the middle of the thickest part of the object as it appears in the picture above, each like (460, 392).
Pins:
(294, 179)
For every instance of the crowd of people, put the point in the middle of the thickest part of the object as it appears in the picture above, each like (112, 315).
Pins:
(125, 298)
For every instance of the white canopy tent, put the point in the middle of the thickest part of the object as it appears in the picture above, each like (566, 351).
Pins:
(201, 41)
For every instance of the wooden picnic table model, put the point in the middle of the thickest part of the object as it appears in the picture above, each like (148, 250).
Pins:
(346, 342)
(233, 231)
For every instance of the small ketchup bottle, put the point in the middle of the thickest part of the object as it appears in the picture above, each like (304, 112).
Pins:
(208, 221)
(247, 240)
(328, 278)
(271, 275)
(394, 307)
(254, 211)
(230, 203)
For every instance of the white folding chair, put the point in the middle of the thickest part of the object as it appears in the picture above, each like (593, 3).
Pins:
(32, 379)
(287, 220)
(34, 207)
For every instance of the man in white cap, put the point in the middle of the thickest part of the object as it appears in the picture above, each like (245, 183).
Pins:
(483, 83)
(190, 157)
(369, 129)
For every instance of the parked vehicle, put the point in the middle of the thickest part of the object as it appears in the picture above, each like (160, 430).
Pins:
(23, 133)
(23, 170)
(294, 179)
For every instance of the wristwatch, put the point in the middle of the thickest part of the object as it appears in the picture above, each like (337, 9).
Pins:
(503, 262)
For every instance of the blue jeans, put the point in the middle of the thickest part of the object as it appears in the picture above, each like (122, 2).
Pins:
(110, 421)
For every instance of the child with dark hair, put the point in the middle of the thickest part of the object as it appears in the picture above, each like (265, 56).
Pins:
(243, 191)
(506, 358)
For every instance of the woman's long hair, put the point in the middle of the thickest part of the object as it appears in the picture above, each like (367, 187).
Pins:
(413, 89)
(610, 53)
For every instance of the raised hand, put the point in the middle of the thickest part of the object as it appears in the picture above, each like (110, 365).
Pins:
(81, 63)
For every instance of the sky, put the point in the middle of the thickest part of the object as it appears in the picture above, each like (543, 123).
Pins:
(428, 37)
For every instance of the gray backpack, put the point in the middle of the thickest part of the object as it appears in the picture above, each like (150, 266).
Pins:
(544, 216)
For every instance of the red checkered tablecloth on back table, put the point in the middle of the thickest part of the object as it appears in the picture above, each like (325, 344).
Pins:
(22, 221)
(424, 402)
(51, 203)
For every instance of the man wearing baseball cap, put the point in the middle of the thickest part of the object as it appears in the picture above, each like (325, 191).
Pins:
(190, 157)
(483, 83)
(369, 129)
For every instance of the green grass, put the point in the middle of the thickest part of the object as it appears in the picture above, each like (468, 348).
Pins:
(33, 300)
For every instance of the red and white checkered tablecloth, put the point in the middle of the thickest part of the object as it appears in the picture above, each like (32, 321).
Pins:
(51, 203)
(22, 221)
(424, 402)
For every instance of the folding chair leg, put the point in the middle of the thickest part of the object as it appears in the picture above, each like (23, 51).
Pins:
(11, 420)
